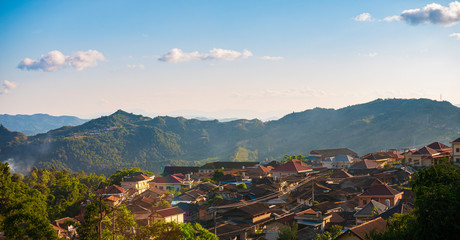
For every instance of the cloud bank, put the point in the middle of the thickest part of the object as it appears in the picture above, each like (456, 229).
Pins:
(433, 13)
(364, 17)
(455, 35)
(271, 58)
(6, 86)
(176, 55)
(55, 60)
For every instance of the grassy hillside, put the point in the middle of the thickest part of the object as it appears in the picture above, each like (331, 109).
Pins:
(122, 139)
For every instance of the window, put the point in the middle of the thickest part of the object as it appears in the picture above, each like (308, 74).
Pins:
(458, 160)
(457, 150)
(364, 202)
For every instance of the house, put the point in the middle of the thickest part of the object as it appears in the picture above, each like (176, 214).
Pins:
(364, 167)
(381, 193)
(340, 174)
(170, 182)
(171, 214)
(137, 181)
(116, 191)
(292, 167)
(251, 213)
(259, 171)
(171, 170)
(359, 232)
(456, 151)
(65, 228)
(325, 153)
(312, 218)
(383, 157)
(427, 155)
(370, 211)
(154, 192)
(212, 166)
(402, 207)
(337, 162)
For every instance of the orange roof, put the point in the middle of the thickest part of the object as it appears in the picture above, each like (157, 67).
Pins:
(379, 224)
(308, 211)
(293, 165)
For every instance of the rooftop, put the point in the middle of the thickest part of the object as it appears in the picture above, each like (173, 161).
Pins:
(360, 231)
(293, 166)
(228, 165)
(380, 190)
(333, 152)
(167, 212)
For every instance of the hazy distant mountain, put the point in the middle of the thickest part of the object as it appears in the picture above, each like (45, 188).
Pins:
(37, 123)
(122, 139)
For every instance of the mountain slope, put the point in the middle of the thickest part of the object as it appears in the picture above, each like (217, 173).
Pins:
(122, 139)
(37, 123)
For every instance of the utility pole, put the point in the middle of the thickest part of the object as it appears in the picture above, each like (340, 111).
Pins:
(215, 225)
(100, 220)
(312, 191)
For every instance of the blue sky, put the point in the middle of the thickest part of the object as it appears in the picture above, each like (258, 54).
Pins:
(223, 58)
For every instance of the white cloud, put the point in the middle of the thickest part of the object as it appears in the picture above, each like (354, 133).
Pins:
(270, 58)
(176, 55)
(392, 18)
(6, 86)
(364, 17)
(433, 13)
(455, 35)
(55, 60)
(134, 66)
(372, 54)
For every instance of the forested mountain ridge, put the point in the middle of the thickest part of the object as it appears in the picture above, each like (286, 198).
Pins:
(122, 139)
(37, 123)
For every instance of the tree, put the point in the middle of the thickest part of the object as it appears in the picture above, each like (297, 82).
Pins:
(218, 174)
(117, 177)
(435, 215)
(288, 232)
(242, 186)
(163, 204)
(160, 230)
(335, 231)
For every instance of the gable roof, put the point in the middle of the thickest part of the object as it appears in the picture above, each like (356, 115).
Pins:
(228, 165)
(308, 212)
(425, 151)
(167, 179)
(180, 169)
(380, 190)
(360, 231)
(373, 208)
(112, 189)
(136, 177)
(167, 212)
(293, 165)
(438, 146)
(340, 174)
(456, 140)
(254, 209)
(401, 208)
(333, 152)
(377, 156)
(365, 164)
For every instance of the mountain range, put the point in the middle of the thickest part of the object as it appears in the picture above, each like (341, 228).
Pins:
(37, 123)
(122, 139)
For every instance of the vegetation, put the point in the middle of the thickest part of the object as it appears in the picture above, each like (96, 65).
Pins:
(218, 174)
(335, 231)
(287, 232)
(173, 230)
(242, 186)
(124, 140)
(436, 207)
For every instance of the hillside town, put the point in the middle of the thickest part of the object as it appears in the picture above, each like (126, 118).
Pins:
(254, 200)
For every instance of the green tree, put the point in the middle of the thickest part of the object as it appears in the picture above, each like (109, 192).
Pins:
(160, 230)
(195, 231)
(117, 177)
(163, 204)
(287, 232)
(218, 174)
(242, 186)
(335, 231)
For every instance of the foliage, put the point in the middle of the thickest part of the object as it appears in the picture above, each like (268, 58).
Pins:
(287, 232)
(124, 140)
(117, 177)
(436, 207)
(210, 201)
(335, 231)
(163, 204)
(218, 174)
(287, 158)
(209, 180)
(242, 186)
(195, 231)
(160, 230)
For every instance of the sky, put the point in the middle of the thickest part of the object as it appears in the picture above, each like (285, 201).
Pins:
(223, 59)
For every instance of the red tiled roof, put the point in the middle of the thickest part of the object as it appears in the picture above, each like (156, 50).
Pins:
(456, 140)
(112, 198)
(360, 231)
(167, 212)
(113, 189)
(380, 190)
(167, 179)
(340, 174)
(293, 166)
(365, 164)
(425, 150)
(438, 146)
(138, 178)
(308, 211)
